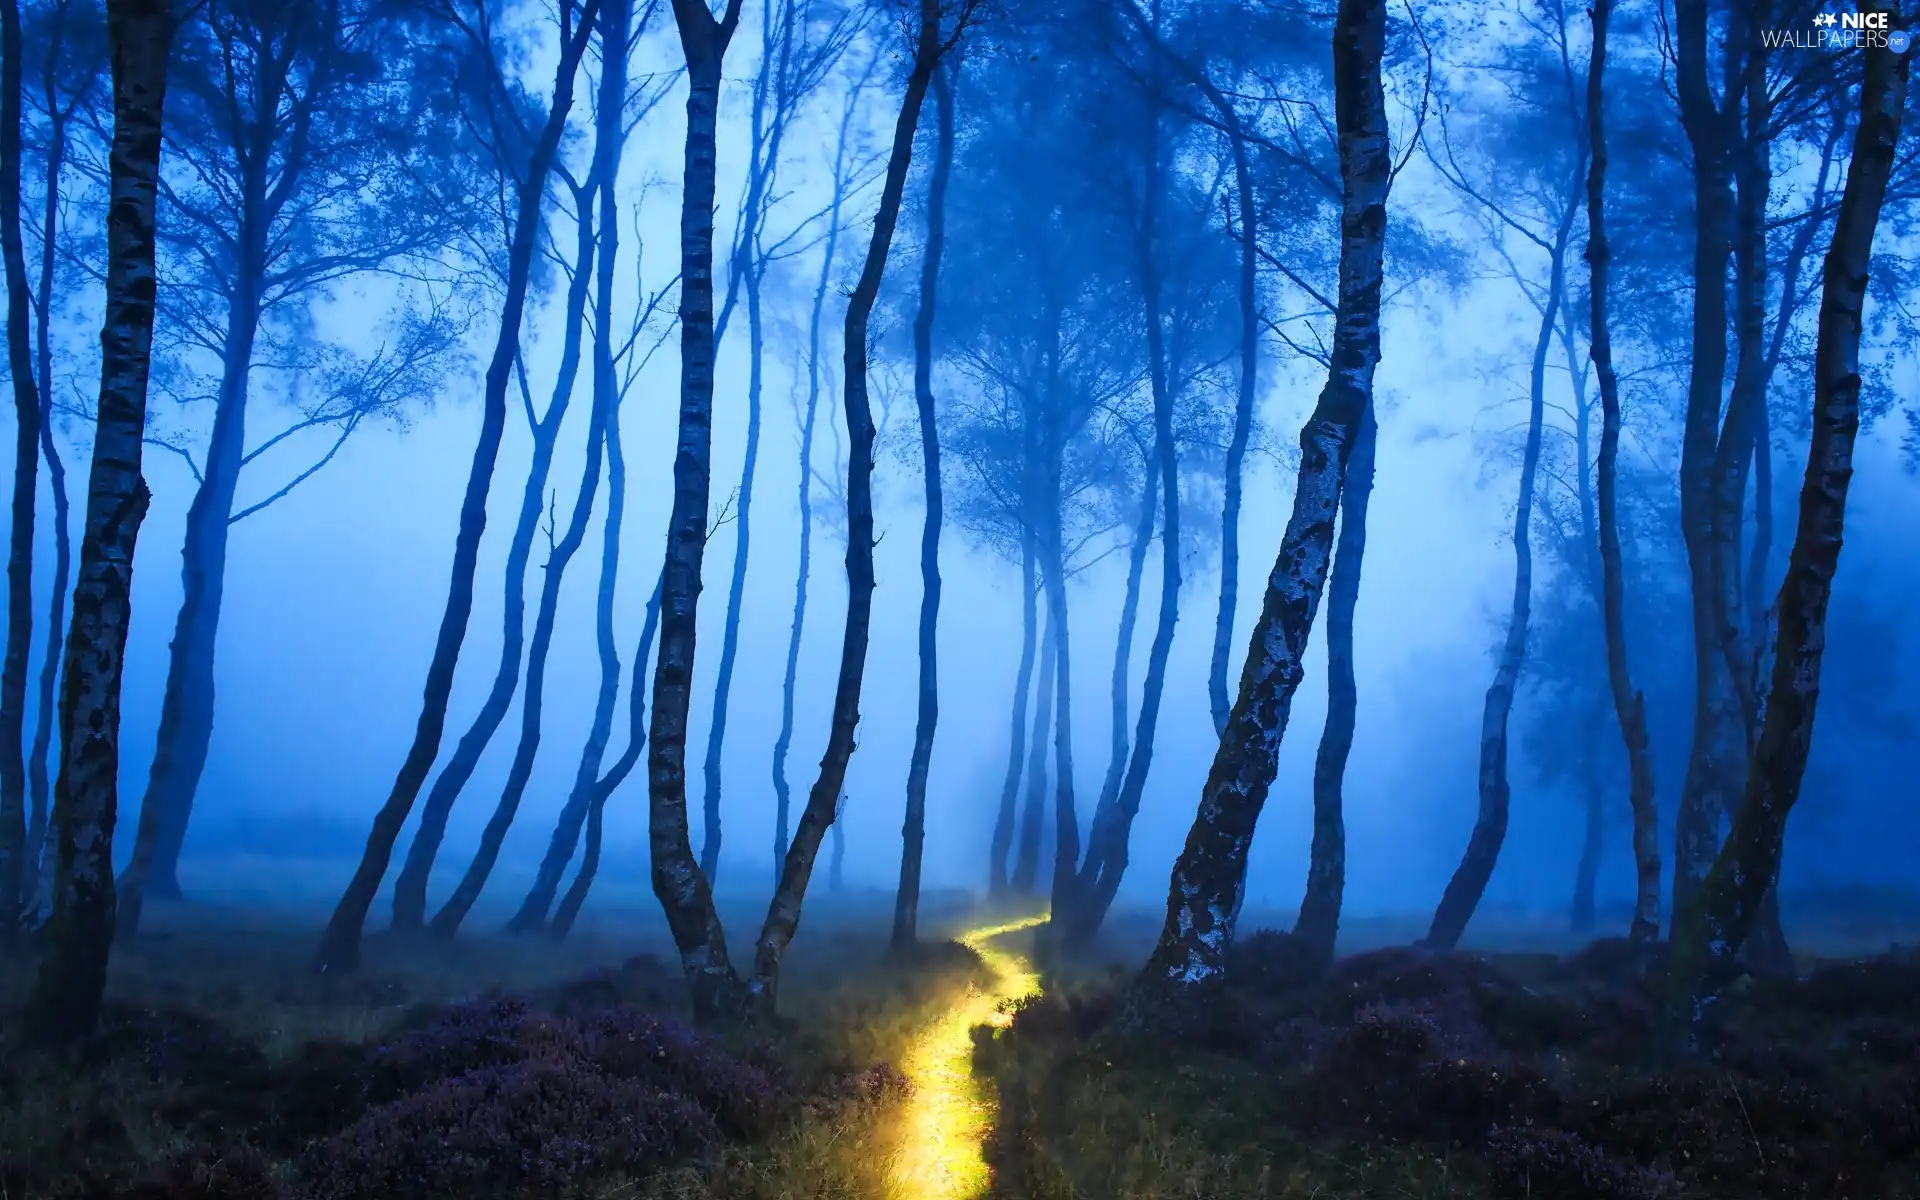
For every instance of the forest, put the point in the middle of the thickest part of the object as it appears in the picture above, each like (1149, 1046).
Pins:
(389, 848)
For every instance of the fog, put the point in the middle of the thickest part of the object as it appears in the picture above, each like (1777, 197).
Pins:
(333, 593)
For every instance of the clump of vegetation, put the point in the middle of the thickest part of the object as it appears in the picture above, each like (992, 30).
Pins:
(1406, 1072)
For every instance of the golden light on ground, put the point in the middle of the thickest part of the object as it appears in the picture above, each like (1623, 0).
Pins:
(949, 1114)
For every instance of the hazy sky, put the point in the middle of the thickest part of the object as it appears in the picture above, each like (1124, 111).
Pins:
(333, 596)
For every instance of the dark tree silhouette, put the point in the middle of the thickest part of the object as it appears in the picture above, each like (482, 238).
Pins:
(340, 944)
(65, 1003)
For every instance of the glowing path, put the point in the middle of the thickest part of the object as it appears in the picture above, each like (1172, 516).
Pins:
(949, 1115)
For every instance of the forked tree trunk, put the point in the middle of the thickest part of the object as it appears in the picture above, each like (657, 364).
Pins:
(616, 20)
(1469, 880)
(1712, 759)
(677, 879)
(906, 905)
(782, 790)
(1318, 925)
(410, 889)
(783, 914)
(1629, 705)
(1242, 408)
(1210, 872)
(1723, 911)
(65, 1002)
(466, 893)
(1121, 696)
(340, 944)
(569, 910)
(15, 843)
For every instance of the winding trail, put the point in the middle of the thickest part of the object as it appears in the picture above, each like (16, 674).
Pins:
(949, 1113)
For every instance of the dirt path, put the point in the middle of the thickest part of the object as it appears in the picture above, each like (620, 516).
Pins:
(948, 1116)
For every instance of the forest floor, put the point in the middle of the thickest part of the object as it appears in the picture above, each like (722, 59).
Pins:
(498, 1066)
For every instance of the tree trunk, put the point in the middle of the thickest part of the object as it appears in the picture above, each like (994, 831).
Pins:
(782, 790)
(1066, 824)
(746, 266)
(447, 921)
(616, 19)
(1712, 764)
(39, 855)
(340, 944)
(15, 843)
(1006, 820)
(1629, 705)
(569, 910)
(1469, 880)
(1586, 876)
(186, 707)
(1242, 411)
(836, 882)
(410, 889)
(1026, 866)
(1723, 911)
(677, 879)
(1112, 825)
(783, 914)
(1209, 875)
(1318, 925)
(65, 1002)
(1122, 688)
(906, 907)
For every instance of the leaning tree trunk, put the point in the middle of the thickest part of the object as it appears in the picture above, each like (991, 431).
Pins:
(569, 910)
(1026, 865)
(186, 706)
(15, 844)
(1712, 759)
(1469, 880)
(677, 879)
(1112, 824)
(906, 906)
(65, 1002)
(1318, 925)
(782, 790)
(410, 889)
(340, 944)
(39, 856)
(1723, 911)
(447, 921)
(1121, 695)
(783, 914)
(609, 130)
(1242, 409)
(1007, 818)
(1629, 705)
(1066, 825)
(1210, 872)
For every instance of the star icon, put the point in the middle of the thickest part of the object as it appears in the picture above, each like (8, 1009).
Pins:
(1826, 19)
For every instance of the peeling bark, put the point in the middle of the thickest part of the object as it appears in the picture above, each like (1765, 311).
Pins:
(1210, 872)
(340, 944)
(1722, 913)
(1318, 925)
(679, 883)
(906, 907)
(65, 1002)
(1629, 705)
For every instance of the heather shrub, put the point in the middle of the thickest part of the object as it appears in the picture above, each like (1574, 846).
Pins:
(539, 1128)
(1554, 1163)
